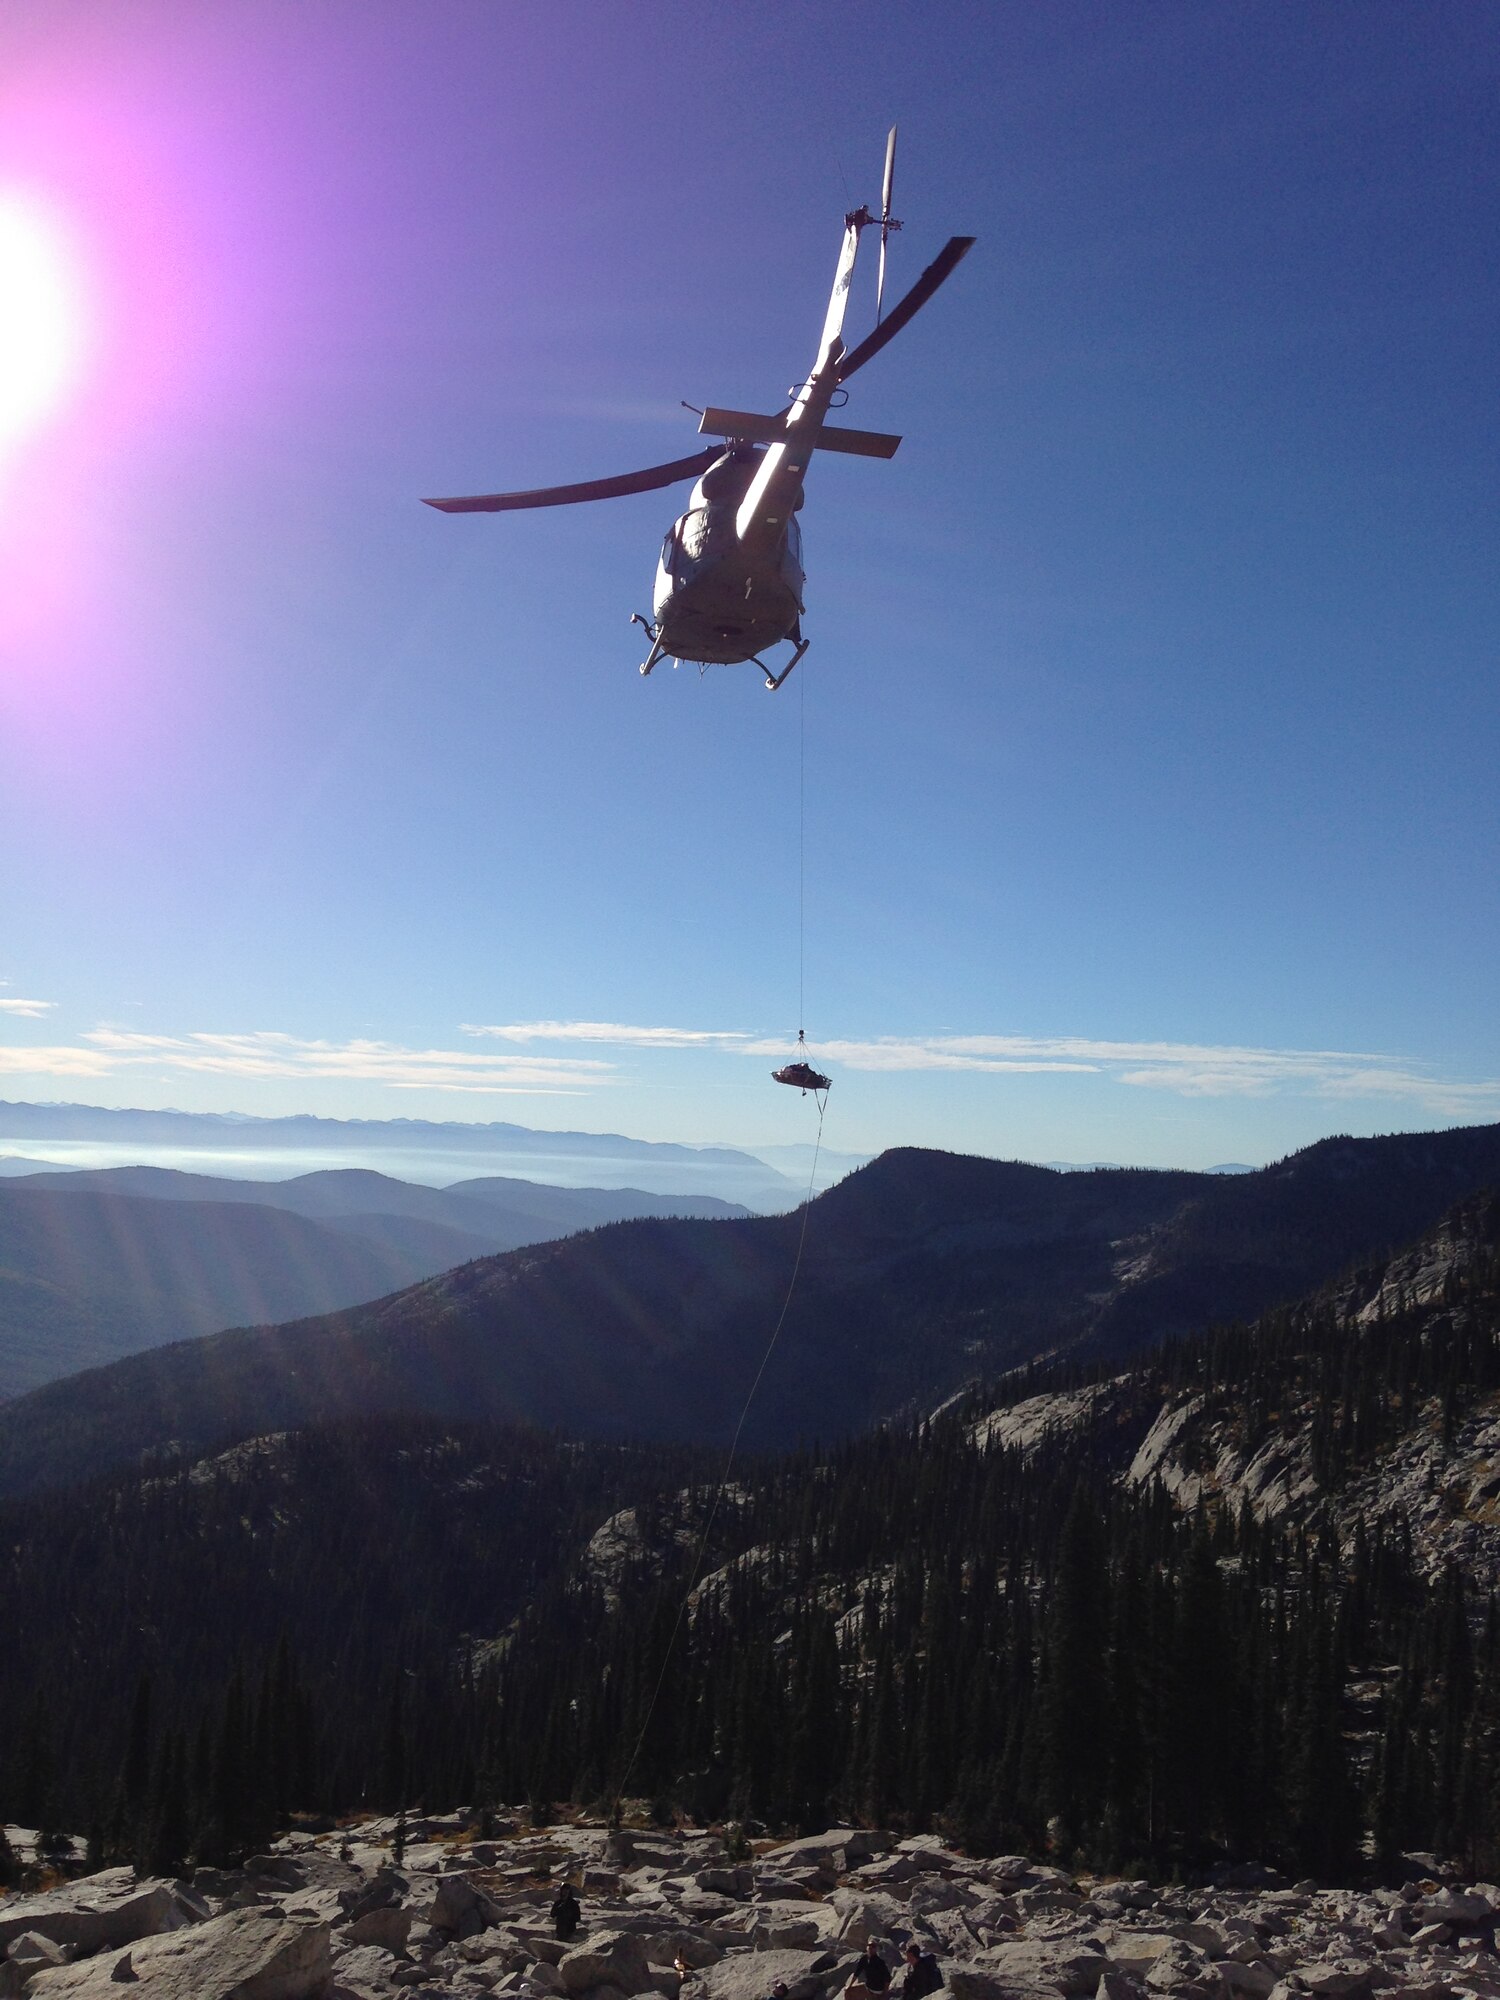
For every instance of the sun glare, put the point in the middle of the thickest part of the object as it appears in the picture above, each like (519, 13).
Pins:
(41, 317)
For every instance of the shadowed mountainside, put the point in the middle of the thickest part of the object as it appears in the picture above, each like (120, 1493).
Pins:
(101, 1263)
(921, 1272)
(87, 1277)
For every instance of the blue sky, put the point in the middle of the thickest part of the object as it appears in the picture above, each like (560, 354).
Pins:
(1149, 726)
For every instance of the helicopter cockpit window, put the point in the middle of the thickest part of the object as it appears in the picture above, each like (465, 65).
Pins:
(669, 550)
(695, 527)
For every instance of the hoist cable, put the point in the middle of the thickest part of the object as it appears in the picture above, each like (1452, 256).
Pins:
(723, 1486)
(802, 853)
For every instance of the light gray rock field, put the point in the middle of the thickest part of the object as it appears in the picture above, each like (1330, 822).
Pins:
(332, 1917)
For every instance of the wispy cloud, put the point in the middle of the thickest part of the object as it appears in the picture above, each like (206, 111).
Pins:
(1190, 1069)
(266, 1054)
(611, 1034)
(31, 1010)
(525, 1065)
(64, 1061)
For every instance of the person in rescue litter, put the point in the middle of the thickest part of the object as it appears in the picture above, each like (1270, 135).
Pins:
(566, 1911)
(922, 1975)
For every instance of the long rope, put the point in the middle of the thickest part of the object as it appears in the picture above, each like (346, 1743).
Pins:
(723, 1486)
(802, 856)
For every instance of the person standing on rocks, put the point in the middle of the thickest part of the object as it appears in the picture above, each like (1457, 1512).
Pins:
(566, 1912)
(922, 1975)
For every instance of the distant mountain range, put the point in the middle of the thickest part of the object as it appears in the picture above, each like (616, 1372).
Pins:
(99, 1264)
(921, 1272)
(83, 1135)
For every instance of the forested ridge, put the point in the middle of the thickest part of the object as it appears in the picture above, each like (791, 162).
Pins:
(922, 1270)
(914, 1628)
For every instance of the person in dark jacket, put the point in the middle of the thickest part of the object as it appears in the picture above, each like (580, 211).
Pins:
(871, 1975)
(922, 1975)
(566, 1912)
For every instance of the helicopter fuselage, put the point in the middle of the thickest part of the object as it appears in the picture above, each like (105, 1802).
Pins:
(729, 582)
(719, 598)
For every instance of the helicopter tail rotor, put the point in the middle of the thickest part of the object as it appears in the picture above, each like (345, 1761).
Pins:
(886, 224)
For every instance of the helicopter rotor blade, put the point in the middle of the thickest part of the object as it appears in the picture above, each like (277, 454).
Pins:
(646, 481)
(942, 267)
(885, 216)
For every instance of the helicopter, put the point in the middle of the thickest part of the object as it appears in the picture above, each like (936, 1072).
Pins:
(729, 581)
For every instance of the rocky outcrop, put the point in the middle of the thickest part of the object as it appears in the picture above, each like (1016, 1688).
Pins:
(1037, 1420)
(258, 1954)
(98, 1911)
(331, 1919)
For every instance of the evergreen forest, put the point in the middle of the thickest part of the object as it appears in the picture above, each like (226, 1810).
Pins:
(919, 1628)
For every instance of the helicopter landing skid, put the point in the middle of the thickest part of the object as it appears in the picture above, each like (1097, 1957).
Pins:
(654, 635)
(773, 681)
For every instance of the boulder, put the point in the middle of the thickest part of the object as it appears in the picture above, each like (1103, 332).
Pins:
(1043, 1896)
(795, 1885)
(751, 1975)
(97, 1912)
(388, 1927)
(1454, 1906)
(1118, 1986)
(1037, 1965)
(935, 1892)
(541, 1944)
(1181, 1970)
(461, 1908)
(384, 1888)
(777, 1927)
(365, 1972)
(890, 1868)
(1336, 1978)
(726, 1881)
(277, 1868)
(1206, 1938)
(31, 1951)
(610, 1958)
(863, 1915)
(1246, 1979)
(952, 1934)
(244, 1955)
(993, 1913)
(972, 1982)
(1008, 1870)
(841, 1848)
